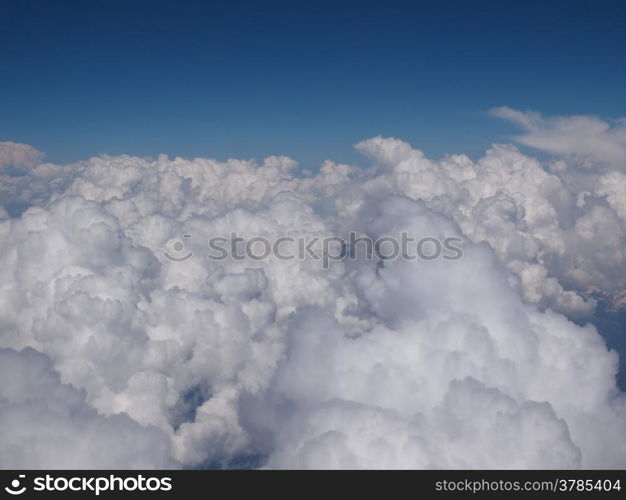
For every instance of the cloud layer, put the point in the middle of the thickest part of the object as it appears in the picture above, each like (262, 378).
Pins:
(400, 364)
(48, 424)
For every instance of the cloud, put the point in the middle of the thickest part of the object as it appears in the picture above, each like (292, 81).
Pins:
(48, 424)
(404, 363)
(459, 433)
(456, 372)
(588, 139)
(19, 156)
(561, 237)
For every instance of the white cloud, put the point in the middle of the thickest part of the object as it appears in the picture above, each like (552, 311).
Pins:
(457, 372)
(48, 424)
(402, 364)
(19, 156)
(588, 139)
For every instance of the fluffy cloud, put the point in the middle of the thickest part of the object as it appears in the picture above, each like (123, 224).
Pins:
(19, 156)
(560, 236)
(588, 139)
(456, 372)
(48, 424)
(404, 363)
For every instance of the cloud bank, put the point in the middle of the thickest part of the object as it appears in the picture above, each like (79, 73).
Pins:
(388, 364)
(48, 424)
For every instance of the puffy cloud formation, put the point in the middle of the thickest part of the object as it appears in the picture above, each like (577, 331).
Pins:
(561, 233)
(19, 156)
(457, 372)
(48, 424)
(397, 363)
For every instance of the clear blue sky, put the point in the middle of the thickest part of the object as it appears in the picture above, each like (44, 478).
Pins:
(306, 79)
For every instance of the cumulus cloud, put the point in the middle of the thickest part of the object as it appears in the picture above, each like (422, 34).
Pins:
(456, 372)
(561, 237)
(19, 156)
(403, 363)
(48, 424)
(588, 139)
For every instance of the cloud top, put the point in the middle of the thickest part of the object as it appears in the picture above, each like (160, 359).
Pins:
(19, 156)
(367, 364)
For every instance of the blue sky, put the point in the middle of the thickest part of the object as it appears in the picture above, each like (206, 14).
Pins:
(254, 79)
